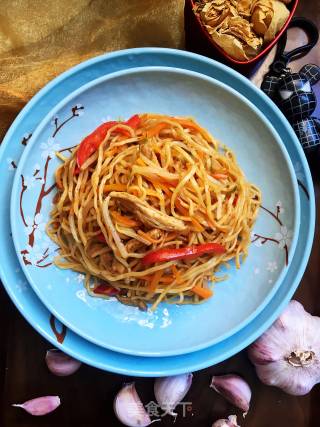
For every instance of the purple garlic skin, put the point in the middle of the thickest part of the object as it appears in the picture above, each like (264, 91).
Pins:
(61, 364)
(230, 422)
(129, 409)
(287, 355)
(40, 405)
(233, 388)
(169, 391)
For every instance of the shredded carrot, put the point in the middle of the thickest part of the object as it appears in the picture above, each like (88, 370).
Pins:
(59, 184)
(155, 130)
(113, 151)
(56, 198)
(174, 270)
(173, 182)
(204, 293)
(158, 183)
(219, 176)
(133, 191)
(189, 124)
(200, 154)
(176, 274)
(161, 180)
(155, 280)
(166, 279)
(58, 180)
(140, 162)
(114, 187)
(123, 220)
(170, 236)
(181, 208)
(211, 224)
(235, 200)
(122, 138)
(183, 122)
(146, 236)
(197, 226)
(164, 181)
(163, 279)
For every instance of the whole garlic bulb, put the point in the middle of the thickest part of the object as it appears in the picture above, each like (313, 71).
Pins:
(230, 422)
(287, 355)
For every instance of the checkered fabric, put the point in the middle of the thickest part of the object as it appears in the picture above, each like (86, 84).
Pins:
(308, 133)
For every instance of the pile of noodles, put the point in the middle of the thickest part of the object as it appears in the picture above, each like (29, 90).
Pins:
(167, 184)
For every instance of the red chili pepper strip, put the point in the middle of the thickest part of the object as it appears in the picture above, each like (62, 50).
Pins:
(134, 121)
(189, 252)
(106, 290)
(91, 143)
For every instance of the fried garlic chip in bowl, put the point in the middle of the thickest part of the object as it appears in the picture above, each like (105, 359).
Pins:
(214, 12)
(244, 8)
(262, 13)
(236, 37)
(241, 27)
(281, 14)
(229, 44)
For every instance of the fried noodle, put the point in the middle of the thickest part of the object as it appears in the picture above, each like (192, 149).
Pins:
(165, 184)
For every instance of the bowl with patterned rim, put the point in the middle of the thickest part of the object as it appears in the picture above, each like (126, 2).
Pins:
(171, 330)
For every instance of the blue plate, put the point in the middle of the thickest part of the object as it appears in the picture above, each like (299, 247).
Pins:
(171, 329)
(14, 280)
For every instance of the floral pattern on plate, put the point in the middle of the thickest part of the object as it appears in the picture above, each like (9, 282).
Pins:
(39, 249)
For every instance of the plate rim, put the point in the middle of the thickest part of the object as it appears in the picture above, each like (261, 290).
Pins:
(124, 58)
(16, 231)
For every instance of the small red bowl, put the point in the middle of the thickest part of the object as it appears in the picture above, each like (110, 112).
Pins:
(198, 40)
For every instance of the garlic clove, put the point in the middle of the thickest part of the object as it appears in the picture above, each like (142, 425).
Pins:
(61, 364)
(169, 391)
(287, 355)
(129, 408)
(40, 405)
(233, 388)
(230, 422)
